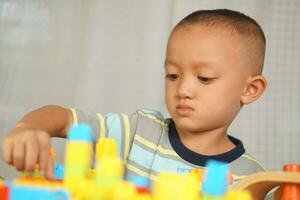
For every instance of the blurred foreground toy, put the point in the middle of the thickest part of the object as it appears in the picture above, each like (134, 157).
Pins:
(290, 190)
(215, 171)
(78, 181)
(3, 190)
(259, 184)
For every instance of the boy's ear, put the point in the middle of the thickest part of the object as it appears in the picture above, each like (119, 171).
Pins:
(254, 88)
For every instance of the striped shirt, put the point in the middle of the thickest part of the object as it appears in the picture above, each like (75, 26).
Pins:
(149, 144)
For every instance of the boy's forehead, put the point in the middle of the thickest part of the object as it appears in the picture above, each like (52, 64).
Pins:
(200, 35)
(200, 40)
(197, 36)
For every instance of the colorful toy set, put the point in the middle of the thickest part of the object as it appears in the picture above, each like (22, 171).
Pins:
(285, 184)
(105, 182)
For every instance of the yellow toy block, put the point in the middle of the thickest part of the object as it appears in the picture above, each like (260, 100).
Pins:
(106, 147)
(238, 195)
(186, 186)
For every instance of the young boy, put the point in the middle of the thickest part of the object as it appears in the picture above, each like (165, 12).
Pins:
(213, 66)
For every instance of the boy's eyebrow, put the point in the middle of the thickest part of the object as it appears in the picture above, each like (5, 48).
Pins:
(205, 64)
(169, 62)
(196, 64)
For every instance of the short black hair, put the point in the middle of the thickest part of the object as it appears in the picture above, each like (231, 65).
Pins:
(236, 21)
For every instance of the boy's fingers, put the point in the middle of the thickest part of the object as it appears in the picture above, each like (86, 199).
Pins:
(7, 151)
(31, 155)
(44, 156)
(18, 156)
(50, 169)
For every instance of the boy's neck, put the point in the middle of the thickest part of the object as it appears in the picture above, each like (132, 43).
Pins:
(212, 142)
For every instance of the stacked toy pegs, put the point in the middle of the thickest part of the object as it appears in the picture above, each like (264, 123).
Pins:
(290, 191)
(105, 182)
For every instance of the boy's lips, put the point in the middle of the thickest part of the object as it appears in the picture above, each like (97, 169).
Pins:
(184, 110)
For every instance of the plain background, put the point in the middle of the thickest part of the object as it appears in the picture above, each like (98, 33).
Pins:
(108, 55)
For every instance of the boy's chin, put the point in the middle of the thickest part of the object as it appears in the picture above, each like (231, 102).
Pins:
(188, 124)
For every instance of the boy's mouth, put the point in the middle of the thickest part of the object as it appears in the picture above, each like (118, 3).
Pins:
(184, 110)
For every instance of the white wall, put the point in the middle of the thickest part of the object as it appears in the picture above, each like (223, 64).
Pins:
(108, 56)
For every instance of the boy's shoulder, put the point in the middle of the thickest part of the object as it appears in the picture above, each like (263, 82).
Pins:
(152, 116)
(151, 125)
(245, 165)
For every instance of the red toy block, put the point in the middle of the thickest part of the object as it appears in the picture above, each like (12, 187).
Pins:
(4, 192)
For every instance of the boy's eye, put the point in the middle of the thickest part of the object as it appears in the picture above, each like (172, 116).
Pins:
(205, 80)
(172, 77)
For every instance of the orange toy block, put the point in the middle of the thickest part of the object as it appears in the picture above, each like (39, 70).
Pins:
(259, 184)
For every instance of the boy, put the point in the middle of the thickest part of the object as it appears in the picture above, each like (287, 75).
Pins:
(213, 66)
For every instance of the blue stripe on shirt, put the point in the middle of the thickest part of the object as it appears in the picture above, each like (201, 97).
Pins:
(144, 158)
(113, 122)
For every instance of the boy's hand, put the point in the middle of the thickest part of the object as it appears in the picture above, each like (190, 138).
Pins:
(27, 145)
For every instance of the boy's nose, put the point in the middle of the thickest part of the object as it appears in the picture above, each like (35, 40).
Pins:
(186, 89)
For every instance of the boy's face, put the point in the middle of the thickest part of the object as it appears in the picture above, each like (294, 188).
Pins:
(205, 77)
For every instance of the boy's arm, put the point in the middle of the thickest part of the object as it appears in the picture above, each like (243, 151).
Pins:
(29, 141)
(55, 120)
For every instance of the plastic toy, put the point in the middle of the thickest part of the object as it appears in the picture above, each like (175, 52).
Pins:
(214, 183)
(3, 191)
(259, 184)
(78, 181)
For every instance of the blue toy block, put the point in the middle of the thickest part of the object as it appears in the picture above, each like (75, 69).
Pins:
(59, 171)
(139, 181)
(36, 193)
(215, 178)
(80, 132)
